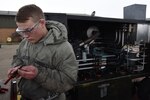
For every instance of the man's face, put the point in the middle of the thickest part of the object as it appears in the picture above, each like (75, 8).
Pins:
(30, 30)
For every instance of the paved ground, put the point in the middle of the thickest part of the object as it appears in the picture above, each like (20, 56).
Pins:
(6, 54)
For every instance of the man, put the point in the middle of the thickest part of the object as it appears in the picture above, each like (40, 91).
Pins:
(44, 59)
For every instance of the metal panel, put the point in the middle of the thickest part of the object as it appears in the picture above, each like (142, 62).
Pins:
(7, 21)
(148, 33)
(142, 33)
(136, 11)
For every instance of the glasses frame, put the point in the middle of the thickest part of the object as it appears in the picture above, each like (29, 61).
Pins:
(28, 30)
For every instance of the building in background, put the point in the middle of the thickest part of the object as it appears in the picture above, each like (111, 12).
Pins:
(7, 25)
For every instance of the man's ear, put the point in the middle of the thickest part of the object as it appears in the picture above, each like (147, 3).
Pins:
(42, 22)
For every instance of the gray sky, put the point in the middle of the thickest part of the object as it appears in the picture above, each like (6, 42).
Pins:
(103, 8)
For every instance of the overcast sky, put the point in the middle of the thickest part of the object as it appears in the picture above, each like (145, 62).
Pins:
(103, 8)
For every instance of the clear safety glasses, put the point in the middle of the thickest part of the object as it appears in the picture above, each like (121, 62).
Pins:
(27, 31)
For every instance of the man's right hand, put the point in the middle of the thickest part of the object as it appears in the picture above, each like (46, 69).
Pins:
(12, 70)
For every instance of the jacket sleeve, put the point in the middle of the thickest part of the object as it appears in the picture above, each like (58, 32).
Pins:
(17, 58)
(64, 76)
(16, 61)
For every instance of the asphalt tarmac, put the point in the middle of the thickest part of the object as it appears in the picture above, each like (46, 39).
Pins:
(6, 55)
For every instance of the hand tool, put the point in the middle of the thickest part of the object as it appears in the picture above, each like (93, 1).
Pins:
(13, 75)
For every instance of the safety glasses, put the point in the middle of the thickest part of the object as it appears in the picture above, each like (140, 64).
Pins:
(27, 31)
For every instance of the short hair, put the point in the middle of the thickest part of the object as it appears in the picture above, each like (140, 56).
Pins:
(27, 11)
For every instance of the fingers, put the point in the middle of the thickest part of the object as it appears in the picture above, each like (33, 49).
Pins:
(28, 72)
(12, 70)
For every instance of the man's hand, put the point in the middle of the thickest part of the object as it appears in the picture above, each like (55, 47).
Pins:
(28, 72)
(13, 70)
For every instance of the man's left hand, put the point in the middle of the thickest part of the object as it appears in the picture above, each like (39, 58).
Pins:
(28, 72)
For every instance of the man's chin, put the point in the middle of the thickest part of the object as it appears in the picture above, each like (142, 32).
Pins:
(31, 40)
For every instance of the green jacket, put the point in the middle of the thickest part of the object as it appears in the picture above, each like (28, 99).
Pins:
(55, 60)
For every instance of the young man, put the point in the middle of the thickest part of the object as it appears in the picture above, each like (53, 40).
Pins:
(45, 59)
